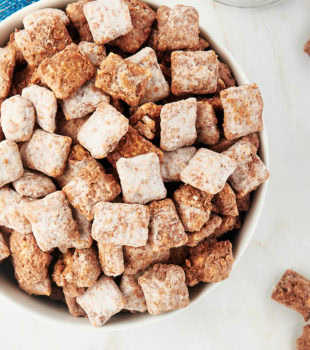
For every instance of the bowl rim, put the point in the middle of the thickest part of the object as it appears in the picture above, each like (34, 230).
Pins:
(33, 308)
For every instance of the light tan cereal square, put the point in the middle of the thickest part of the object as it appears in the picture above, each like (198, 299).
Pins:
(178, 28)
(111, 258)
(123, 79)
(7, 65)
(11, 167)
(71, 293)
(23, 78)
(121, 224)
(194, 72)
(208, 132)
(51, 221)
(228, 224)
(95, 53)
(208, 171)
(66, 71)
(243, 108)
(31, 19)
(4, 249)
(157, 87)
(30, 264)
(70, 127)
(177, 122)
(46, 152)
(225, 202)
(132, 292)
(164, 288)
(140, 178)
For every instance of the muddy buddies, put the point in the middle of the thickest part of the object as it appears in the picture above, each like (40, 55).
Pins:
(128, 158)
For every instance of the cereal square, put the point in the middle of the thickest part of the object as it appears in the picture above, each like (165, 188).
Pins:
(103, 130)
(166, 229)
(85, 239)
(17, 118)
(178, 28)
(164, 288)
(243, 109)
(123, 79)
(46, 152)
(244, 203)
(194, 72)
(228, 223)
(226, 79)
(157, 87)
(121, 224)
(11, 167)
(177, 122)
(7, 65)
(141, 180)
(70, 298)
(4, 249)
(225, 202)
(208, 132)
(66, 71)
(25, 77)
(101, 301)
(36, 16)
(303, 342)
(107, 19)
(208, 171)
(45, 104)
(95, 53)
(70, 127)
(52, 222)
(174, 162)
(209, 261)
(111, 258)
(133, 295)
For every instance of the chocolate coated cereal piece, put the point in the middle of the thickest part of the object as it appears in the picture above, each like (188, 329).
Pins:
(226, 79)
(85, 239)
(178, 255)
(4, 249)
(23, 78)
(228, 223)
(225, 201)
(7, 65)
(244, 203)
(208, 132)
(111, 258)
(303, 342)
(19, 58)
(95, 53)
(133, 295)
(71, 293)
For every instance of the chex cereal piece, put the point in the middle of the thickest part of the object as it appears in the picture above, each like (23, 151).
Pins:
(107, 19)
(30, 264)
(111, 258)
(208, 132)
(244, 203)
(11, 167)
(70, 127)
(226, 79)
(45, 104)
(132, 293)
(85, 239)
(71, 293)
(19, 58)
(157, 87)
(303, 342)
(243, 108)
(46, 152)
(228, 223)
(51, 221)
(85, 101)
(225, 201)
(137, 259)
(12, 211)
(75, 12)
(193, 206)
(164, 288)
(23, 78)
(4, 249)
(123, 79)
(208, 171)
(66, 71)
(44, 38)
(293, 291)
(132, 145)
(95, 53)
(209, 261)
(140, 178)
(34, 185)
(207, 230)
(174, 162)
(90, 186)
(178, 27)
(194, 72)
(30, 20)
(17, 118)
(121, 224)
(7, 65)
(202, 45)
(177, 122)
(166, 229)
(250, 172)
(224, 144)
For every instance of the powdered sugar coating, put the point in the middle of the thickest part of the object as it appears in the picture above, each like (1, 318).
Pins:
(208, 132)
(4, 249)
(17, 118)
(133, 295)
(121, 224)
(35, 16)
(140, 178)
(7, 65)
(111, 258)
(95, 53)
(208, 171)
(177, 122)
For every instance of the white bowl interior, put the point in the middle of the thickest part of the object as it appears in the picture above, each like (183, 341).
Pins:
(43, 308)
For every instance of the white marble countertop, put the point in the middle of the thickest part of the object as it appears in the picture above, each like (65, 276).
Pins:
(239, 314)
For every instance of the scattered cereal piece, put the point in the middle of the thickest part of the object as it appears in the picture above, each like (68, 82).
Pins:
(17, 118)
(123, 79)
(208, 132)
(140, 178)
(7, 65)
(66, 71)
(303, 342)
(228, 223)
(71, 293)
(46, 152)
(178, 28)
(293, 291)
(244, 203)
(31, 19)
(4, 249)
(121, 224)
(164, 288)
(95, 53)
(225, 201)
(209, 261)
(30, 264)
(70, 127)
(307, 47)
(23, 78)
(45, 104)
(194, 72)
(243, 108)
(225, 79)
(111, 258)
(101, 301)
(177, 122)
(133, 295)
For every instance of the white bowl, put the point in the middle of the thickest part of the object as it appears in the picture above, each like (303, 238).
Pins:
(52, 311)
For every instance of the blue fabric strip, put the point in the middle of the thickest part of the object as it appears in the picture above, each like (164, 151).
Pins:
(7, 7)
